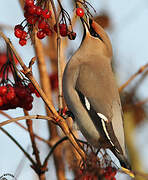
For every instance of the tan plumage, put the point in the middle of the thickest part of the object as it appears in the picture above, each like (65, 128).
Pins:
(89, 88)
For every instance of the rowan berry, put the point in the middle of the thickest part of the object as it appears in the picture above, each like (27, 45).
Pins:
(29, 2)
(46, 14)
(22, 42)
(41, 34)
(41, 24)
(24, 35)
(32, 10)
(38, 10)
(18, 33)
(80, 12)
(1, 101)
(3, 90)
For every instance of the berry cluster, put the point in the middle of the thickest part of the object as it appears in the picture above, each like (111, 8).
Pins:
(18, 95)
(34, 14)
(20, 33)
(94, 168)
(37, 14)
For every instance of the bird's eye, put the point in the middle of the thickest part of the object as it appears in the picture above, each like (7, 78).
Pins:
(94, 34)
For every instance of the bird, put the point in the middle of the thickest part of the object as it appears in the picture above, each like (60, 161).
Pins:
(91, 93)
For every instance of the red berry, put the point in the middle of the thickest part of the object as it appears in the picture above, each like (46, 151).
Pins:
(15, 102)
(22, 42)
(31, 87)
(46, 14)
(63, 29)
(26, 8)
(41, 24)
(24, 35)
(41, 34)
(80, 12)
(18, 33)
(18, 27)
(27, 106)
(10, 95)
(29, 2)
(26, 15)
(1, 101)
(32, 19)
(21, 92)
(3, 90)
(32, 10)
(4, 100)
(38, 10)
(48, 31)
(29, 99)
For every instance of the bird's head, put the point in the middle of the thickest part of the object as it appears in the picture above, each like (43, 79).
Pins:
(97, 37)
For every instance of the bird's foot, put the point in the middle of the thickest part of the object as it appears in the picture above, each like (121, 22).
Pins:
(65, 113)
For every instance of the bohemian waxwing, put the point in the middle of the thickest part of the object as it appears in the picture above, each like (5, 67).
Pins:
(91, 93)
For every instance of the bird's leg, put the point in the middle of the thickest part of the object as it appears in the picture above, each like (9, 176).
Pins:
(65, 113)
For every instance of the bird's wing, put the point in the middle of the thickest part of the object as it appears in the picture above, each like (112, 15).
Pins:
(99, 96)
(74, 104)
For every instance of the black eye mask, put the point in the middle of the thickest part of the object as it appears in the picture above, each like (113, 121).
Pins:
(93, 32)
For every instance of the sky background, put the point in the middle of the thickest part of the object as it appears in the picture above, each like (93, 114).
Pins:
(128, 33)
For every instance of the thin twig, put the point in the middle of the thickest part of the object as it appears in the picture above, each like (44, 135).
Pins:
(54, 9)
(25, 117)
(60, 96)
(53, 148)
(21, 3)
(32, 137)
(20, 125)
(133, 77)
(22, 149)
(140, 103)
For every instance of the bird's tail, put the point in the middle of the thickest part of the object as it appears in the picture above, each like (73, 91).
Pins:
(123, 160)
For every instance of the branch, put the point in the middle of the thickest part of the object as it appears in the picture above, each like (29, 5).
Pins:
(60, 96)
(53, 148)
(25, 117)
(61, 122)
